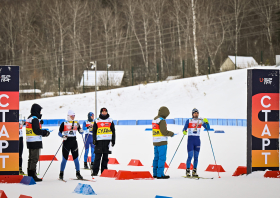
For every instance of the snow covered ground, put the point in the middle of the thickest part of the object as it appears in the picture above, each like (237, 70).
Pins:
(135, 143)
(221, 95)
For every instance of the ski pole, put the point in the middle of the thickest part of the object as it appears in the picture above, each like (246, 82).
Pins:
(213, 153)
(174, 153)
(84, 146)
(52, 160)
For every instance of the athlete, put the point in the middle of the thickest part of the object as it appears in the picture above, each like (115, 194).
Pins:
(68, 131)
(193, 128)
(88, 141)
(160, 134)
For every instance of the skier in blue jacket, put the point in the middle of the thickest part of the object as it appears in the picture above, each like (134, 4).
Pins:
(193, 128)
(87, 127)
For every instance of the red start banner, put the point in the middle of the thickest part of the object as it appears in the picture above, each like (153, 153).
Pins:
(262, 120)
(9, 120)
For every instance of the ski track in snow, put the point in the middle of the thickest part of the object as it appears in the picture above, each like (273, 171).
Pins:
(132, 142)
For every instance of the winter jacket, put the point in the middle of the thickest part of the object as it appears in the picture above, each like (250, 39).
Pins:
(35, 111)
(163, 112)
(102, 146)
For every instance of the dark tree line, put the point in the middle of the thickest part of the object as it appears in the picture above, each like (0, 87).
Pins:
(55, 40)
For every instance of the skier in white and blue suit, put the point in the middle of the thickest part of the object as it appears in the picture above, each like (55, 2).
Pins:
(87, 127)
(193, 127)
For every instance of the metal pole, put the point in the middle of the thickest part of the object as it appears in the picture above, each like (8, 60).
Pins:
(34, 90)
(83, 83)
(209, 65)
(132, 75)
(183, 68)
(235, 61)
(107, 75)
(157, 72)
(59, 86)
(95, 89)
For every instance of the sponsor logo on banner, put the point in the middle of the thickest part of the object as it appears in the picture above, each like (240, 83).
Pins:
(9, 122)
(5, 78)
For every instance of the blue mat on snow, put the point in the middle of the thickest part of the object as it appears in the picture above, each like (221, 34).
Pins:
(209, 130)
(219, 131)
(148, 129)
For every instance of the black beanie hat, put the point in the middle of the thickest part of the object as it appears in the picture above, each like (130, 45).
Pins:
(103, 109)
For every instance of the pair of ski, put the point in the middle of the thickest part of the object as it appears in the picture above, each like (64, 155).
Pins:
(197, 178)
(90, 180)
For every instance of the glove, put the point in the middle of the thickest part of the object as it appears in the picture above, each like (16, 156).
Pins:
(41, 122)
(64, 137)
(174, 134)
(205, 120)
(81, 131)
(185, 132)
(94, 142)
(113, 143)
(46, 133)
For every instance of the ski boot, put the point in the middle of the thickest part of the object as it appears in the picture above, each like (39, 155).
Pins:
(85, 165)
(34, 175)
(188, 172)
(61, 175)
(194, 173)
(21, 172)
(164, 177)
(78, 175)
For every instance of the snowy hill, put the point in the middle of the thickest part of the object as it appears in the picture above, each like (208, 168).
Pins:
(221, 95)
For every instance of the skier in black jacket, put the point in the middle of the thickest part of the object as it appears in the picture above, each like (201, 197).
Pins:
(34, 135)
(103, 134)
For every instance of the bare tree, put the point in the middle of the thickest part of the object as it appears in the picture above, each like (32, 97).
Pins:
(106, 17)
(238, 7)
(266, 9)
(213, 28)
(177, 14)
(194, 37)
(59, 16)
(77, 14)
(157, 7)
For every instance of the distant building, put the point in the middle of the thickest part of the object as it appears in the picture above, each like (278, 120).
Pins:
(241, 63)
(114, 79)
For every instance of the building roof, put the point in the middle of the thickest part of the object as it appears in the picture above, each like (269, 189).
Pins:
(114, 78)
(243, 61)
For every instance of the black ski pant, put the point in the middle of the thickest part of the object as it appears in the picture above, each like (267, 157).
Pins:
(20, 151)
(97, 160)
(70, 145)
